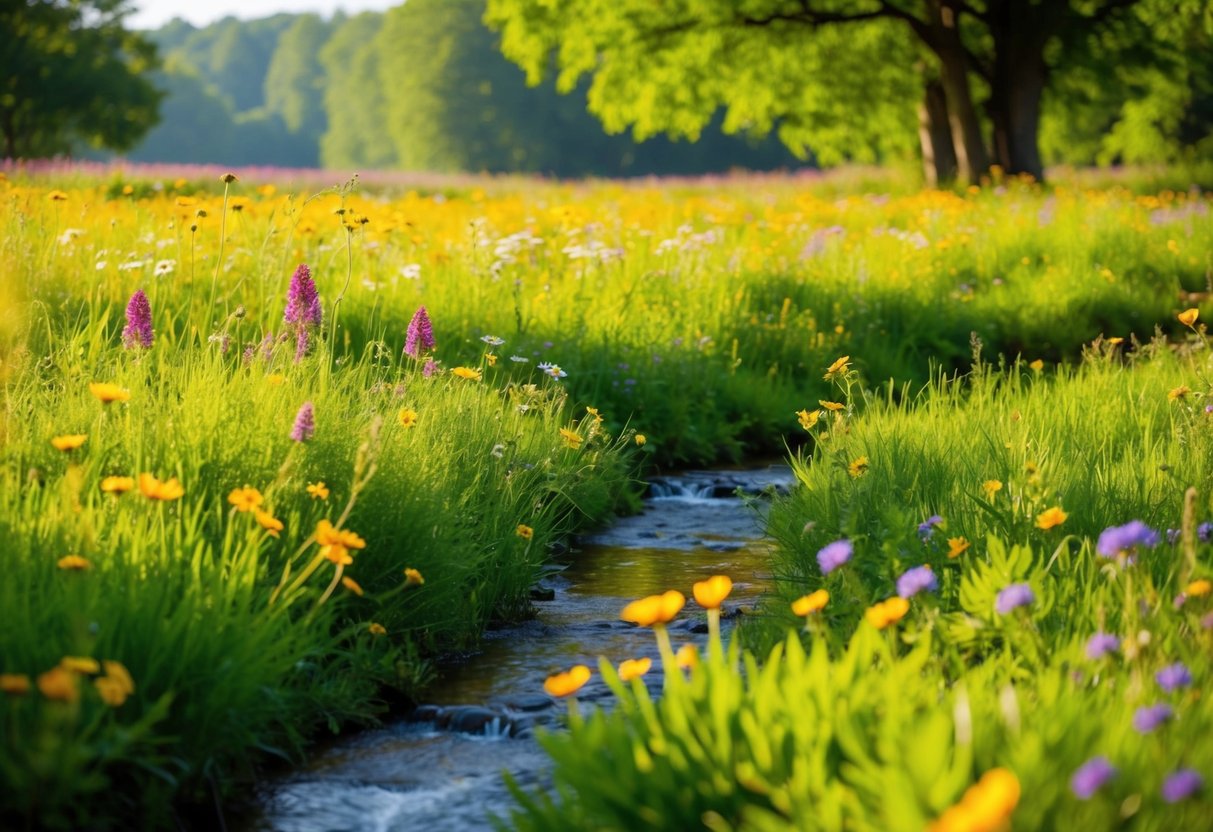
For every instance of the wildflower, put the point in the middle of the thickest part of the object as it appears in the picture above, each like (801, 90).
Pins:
(1204, 532)
(553, 370)
(640, 439)
(987, 804)
(155, 489)
(887, 612)
(593, 411)
(431, 367)
(1199, 588)
(1173, 676)
(1188, 316)
(687, 656)
(117, 485)
(56, 196)
(377, 629)
(1117, 539)
(831, 406)
(991, 487)
(407, 417)
(74, 563)
(69, 442)
(630, 669)
(1037, 365)
(420, 335)
(305, 423)
(1181, 785)
(833, 555)
(1179, 392)
(808, 418)
(14, 684)
(138, 331)
(838, 368)
(1091, 776)
(335, 544)
(808, 604)
(80, 664)
(245, 499)
(318, 490)
(927, 527)
(275, 379)
(302, 300)
(492, 340)
(490, 359)
(858, 467)
(655, 610)
(467, 372)
(710, 594)
(117, 672)
(268, 522)
(110, 691)
(1147, 719)
(571, 438)
(567, 683)
(1012, 596)
(58, 685)
(916, 580)
(1100, 644)
(524, 531)
(413, 578)
(957, 546)
(107, 393)
(1050, 517)
(352, 585)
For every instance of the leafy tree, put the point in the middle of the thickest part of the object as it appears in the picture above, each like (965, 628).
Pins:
(196, 122)
(353, 98)
(294, 81)
(70, 74)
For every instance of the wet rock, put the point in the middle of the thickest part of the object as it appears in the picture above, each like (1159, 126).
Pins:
(698, 627)
(528, 702)
(543, 593)
(470, 719)
(425, 713)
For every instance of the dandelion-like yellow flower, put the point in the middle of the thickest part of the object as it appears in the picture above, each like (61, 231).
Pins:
(80, 664)
(571, 438)
(335, 544)
(1050, 517)
(490, 359)
(655, 610)
(468, 373)
(838, 368)
(887, 612)
(107, 393)
(15, 684)
(58, 685)
(991, 487)
(269, 522)
(155, 489)
(377, 629)
(567, 683)
(858, 467)
(1188, 316)
(687, 656)
(808, 418)
(641, 439)
(1179, 392)
(69, 442)
(831, 406)
(413, 578)
(318, 490)
(352, 585)
(120, 675)
(111, 692)
(407, 417)
(1198, 588)
(1037, 365)
(117, 485)
(630, 669)
(524, 531)
(245, 499)
(593, 411)
(808, 604)
(957, 546)
(710, 594)
(75, 563)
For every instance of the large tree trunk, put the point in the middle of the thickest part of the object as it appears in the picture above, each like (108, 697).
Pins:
(935, 137)
(970, 146)
(1016, 89)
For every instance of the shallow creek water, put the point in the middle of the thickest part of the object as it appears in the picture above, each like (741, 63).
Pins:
(440, 768)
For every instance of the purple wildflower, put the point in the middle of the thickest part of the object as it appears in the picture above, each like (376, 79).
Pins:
(267, 347)
(1091, 777)
(138, 329)
(1100, 644)
(246, 357)
(926, 527)
(420, 335)
(431, 367)
(916, 580)
(302, 300)
(1181, 785)
(302, 342)
(1204, 531)
(1173, 676)
(305, 423)
(1117, 539)
(1012, 596)
(1151, 717)
(834, 555)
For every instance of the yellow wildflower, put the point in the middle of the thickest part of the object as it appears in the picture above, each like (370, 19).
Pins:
(58, 685)
(1179, 392)
(1037, 365)
(74, 563)
(56, 196)
(567, 683)
(858, 467)
(377, 629)
(80, 664)
(1050, 517)
(838, 368)
(154, 489)
(813, 602)
(110, 691)
(630, 669)
(887, 612)
(408, 417)
(69, 442)
(117, 485)
(490, 359)
(710, 594)
(833, 406)
(524, 531)
(275, 379)
(808, 418)
(120, 675)
(987, 804)
(1188, 316)
(991, 487)
(413, 578)
(318, 490)
(335, 544)
(106, 392)
(245, 499)
(269, 522)
(687, 656)
(593, 411)
(14, 684)
(641, 439)
(655, 610)
(957, 546)
(1196, 589)
(352, 585)
(571, 438)
(466, 372)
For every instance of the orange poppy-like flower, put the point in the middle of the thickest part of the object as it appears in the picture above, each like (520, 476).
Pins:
(377, 629)
(1050, 517)
(117, 485)
(833, 406)
(74, 563)
(838, 368)
(567, 683)
(107, 393)
(655, 610)
(1198, 588)
(335, 544)
(987, 804)
(69, 442)
(887, 612)
(808, 604)
(956, 546)
(245, 499)
(467, 373)
(318, 490)
(155, 489)
(352, 585)
(710, 594)
(269, 522)
(15, 684)
(524, 531)
(59, 685)
(571, 438)
(413, 578)
(687, 656)
(119, 674)
(630, 669)
(1188, 316)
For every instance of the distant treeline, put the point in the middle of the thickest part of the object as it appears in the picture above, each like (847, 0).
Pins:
(420, 87)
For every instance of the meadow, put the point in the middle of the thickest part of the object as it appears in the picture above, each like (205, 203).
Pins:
(248, 502)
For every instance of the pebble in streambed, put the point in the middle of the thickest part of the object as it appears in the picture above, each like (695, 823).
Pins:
(441, 768)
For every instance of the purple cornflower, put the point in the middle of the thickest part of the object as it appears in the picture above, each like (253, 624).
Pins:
(302, 300)
(916, 580)
(1173, 676)
(1151, 717)
(138, 329)
(1012, 596)
(305, 423)
(1100, 644)
(834, 555)
(420, 335)
(926, 527)
(1091, 776)
(1181, 785)
(1117, 539)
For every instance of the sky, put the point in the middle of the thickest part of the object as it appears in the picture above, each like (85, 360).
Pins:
(151, 14)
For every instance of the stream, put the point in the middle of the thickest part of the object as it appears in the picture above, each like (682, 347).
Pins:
(439, 769)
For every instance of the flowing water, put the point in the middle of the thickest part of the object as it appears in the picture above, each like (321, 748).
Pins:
(440, 769)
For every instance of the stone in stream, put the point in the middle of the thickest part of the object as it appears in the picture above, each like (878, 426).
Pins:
(469, 719)
(543, 593)
(425, 713)
(528, 702)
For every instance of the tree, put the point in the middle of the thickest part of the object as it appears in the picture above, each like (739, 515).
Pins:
(667, 66)
(353, 97)
(71, 73)
(294, 82)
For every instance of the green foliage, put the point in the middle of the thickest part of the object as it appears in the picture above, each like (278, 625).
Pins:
(354, 98)
(295, 80)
